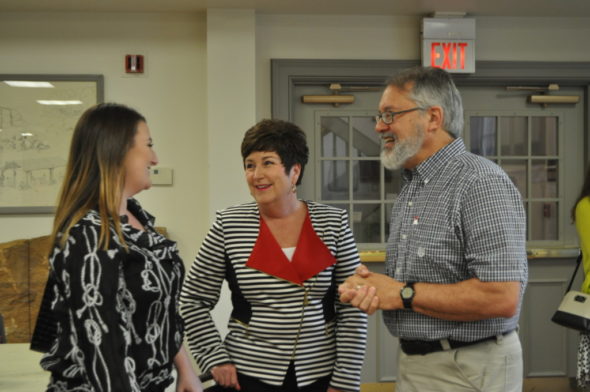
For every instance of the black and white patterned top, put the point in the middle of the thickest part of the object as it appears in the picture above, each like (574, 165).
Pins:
(118, 324)
(457, 217)
(275, 321)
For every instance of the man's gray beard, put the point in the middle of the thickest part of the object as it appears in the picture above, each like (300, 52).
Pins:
(394, 158)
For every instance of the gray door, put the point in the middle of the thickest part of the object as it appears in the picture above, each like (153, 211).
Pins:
(541, 148)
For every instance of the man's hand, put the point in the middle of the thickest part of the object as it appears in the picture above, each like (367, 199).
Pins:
(370, 291)
(357, 291)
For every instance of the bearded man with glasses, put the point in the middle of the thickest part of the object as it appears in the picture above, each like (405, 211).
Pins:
(456, 265)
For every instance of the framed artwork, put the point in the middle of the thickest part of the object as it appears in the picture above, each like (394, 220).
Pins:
(37, 118)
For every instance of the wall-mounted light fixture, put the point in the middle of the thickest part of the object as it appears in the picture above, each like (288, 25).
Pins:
(546, 99)
(335, 99)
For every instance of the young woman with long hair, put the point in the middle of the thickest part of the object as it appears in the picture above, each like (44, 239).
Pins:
(116, 280)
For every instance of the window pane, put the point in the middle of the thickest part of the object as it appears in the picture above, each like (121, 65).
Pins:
(365, 141)
(393, 184)
(365, 177)
(544, 135)
(516, 170)
(544, 178)
(513, 135)
(334, 136)
(543, 221)
(334, 180)
(367, 222)
(483, 135)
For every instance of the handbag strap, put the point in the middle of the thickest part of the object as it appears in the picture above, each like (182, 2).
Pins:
(578, 262)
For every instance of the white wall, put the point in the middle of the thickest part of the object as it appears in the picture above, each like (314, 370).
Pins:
(533, 39)
(231, 98)
(172, 96)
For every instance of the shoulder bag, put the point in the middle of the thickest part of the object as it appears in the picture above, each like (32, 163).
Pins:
(574, 310)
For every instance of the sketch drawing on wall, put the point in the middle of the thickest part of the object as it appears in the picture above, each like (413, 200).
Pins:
(37, 117)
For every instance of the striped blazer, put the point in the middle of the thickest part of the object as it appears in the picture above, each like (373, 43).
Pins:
(275, 321)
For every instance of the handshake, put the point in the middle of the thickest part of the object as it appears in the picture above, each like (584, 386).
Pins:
(369, 291)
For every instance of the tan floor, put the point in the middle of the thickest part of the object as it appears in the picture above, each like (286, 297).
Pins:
(378, 387)
(540, 384)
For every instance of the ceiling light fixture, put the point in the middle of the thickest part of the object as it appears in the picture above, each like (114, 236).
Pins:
(56, 102)
(28, 84)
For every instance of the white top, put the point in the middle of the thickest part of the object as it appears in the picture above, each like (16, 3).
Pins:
(289, 252)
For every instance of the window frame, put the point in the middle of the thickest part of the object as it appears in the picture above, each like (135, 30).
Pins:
(562, 191)
(349, 158)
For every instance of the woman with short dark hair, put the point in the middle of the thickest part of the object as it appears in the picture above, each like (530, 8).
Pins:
(283, 259)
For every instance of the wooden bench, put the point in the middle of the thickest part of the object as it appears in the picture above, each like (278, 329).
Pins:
(23, 274)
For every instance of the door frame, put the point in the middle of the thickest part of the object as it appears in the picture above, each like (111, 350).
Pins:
(288, 73)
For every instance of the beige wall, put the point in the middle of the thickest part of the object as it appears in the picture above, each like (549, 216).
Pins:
(172, 96)
(330, 37)
(231, 101)
(533, 39)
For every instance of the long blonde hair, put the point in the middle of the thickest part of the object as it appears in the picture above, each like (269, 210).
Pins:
(95, 176)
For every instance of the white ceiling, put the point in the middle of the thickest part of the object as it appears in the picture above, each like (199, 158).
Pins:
(520, 8)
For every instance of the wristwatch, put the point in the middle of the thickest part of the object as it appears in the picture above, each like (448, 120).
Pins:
(407, 293)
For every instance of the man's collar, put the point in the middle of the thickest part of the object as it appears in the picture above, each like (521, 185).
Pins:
(427, 169)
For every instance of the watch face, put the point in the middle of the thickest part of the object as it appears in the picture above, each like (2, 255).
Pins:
(407, 292)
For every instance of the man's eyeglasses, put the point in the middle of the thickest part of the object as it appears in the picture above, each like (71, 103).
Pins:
(388, 117)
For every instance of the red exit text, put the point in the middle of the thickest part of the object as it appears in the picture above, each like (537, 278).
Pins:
(448, 55)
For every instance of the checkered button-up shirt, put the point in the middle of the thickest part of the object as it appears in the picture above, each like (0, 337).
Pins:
(457, 217)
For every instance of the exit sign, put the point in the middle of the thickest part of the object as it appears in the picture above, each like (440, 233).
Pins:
(452, 56)
(449, 43)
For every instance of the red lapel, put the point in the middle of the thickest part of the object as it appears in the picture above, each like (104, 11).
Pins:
(268, 257)
(310, 258)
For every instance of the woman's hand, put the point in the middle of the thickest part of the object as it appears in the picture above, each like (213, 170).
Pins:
(226, 376)
(187, 378)
(188, 382)
(330, 389)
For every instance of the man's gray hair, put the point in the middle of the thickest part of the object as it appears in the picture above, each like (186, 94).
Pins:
(433, 87)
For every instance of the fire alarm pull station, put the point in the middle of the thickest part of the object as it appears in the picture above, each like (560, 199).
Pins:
(134, 63)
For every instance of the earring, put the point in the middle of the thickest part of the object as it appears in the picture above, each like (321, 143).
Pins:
(293, 188)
